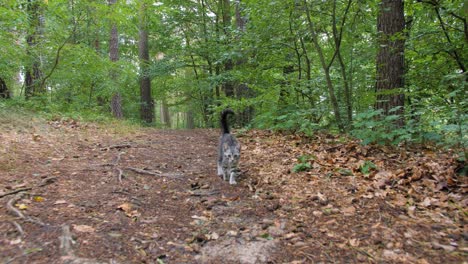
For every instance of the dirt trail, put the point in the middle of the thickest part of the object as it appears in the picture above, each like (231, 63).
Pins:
(171, 214)
(152, 196)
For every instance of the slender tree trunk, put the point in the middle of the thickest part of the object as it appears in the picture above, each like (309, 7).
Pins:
(228, 85)
(243, 90)
(337, 37)
(4, 92)
(190, 123)
(326, 69)
(33, 73)
(390, 58)
(146, 101)
(165, 116)
(116, 101)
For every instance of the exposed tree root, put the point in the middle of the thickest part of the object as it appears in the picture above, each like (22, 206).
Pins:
(18, 227)
(47, 181)
(66, 249)
(66, 241)
(11, 208)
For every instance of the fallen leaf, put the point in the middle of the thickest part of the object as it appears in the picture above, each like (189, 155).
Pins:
(411, 211)
(38, 199)
(354, 242)
(447, 248)
(126, 207)
(349, 211)
(212, 236)
(21, 206)
(60, 202)
(83, 228)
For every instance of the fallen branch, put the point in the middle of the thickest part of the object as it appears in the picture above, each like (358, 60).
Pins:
(116, 146)
(15, 191)
(158, 173)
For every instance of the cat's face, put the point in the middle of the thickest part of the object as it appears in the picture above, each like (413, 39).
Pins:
(231, 154)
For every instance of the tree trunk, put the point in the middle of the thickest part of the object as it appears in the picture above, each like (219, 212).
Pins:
(4, 92)
(33, 72)
(147, 107)
(390, 58)
(165, 117)
(116, 101)
(337, 37)
(326, 69)
(190, 122)
(228, 85)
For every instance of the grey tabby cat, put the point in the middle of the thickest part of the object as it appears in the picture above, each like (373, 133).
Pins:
(228, 151)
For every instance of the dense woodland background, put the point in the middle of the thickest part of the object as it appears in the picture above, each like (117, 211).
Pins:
(383, 71)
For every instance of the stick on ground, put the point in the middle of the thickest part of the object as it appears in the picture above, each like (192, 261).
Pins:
(160, 174)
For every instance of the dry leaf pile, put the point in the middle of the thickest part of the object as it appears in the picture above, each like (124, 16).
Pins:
(409, 206)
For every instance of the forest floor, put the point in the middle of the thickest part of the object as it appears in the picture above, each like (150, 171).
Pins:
(75, 192)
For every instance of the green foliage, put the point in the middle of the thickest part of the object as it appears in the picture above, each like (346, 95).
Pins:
(271, 63)
(367, 167)
(304, 164)
(373, 127)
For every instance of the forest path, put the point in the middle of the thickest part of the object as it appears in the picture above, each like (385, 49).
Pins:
(140, 196)
(82, 193)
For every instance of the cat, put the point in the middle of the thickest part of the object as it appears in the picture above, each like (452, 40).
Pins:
(228, 151)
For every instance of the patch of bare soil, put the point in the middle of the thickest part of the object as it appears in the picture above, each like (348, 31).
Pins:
(82, 193)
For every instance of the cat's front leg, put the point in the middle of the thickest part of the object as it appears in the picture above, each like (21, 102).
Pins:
(232, 178)
(225, 173)
(220, 170)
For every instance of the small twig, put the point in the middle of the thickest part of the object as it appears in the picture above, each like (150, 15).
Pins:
(158, 173)
(204, 193)
(15, 191)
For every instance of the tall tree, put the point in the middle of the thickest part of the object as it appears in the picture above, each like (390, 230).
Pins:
(228, 85)
(146, 101)
(4, 92)
(116, 101)
(390, 58)
(33, 73)
(325, 66)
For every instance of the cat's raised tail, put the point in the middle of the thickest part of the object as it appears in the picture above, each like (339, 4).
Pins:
(224, 123)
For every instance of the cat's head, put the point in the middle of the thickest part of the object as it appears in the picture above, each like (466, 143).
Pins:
(231, 153)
